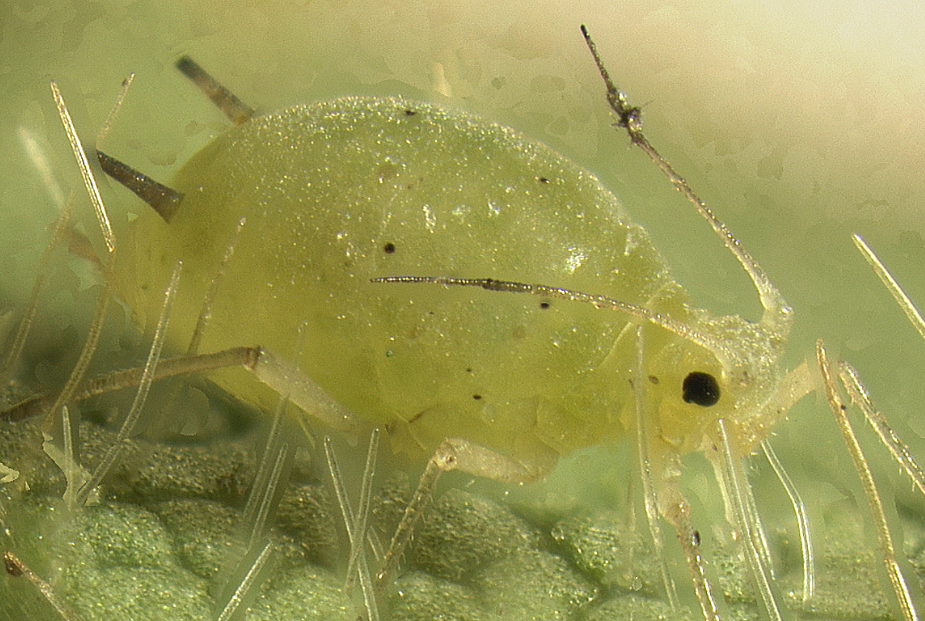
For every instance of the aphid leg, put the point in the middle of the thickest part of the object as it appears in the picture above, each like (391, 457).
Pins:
(901, 587)
(147, 377)
(266, 366)
(452, 454)
(235, 109)
(16, 568)
(442, 461)
(677, 511)
(737, 495)
(645, 465)
(739, 499)
(273, 371)
(799, 508)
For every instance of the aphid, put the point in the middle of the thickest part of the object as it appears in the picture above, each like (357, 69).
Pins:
(432, 354)
(342, 192)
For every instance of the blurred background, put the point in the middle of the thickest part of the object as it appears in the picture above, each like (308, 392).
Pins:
(798, 124)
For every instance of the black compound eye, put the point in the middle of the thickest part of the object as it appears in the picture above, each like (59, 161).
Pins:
(700, 388)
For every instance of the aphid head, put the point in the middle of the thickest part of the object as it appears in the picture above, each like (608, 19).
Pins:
(730, 372)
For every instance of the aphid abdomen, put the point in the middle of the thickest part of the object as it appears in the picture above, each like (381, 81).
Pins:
(341, 191)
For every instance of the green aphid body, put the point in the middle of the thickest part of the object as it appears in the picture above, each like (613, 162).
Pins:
(338, 192)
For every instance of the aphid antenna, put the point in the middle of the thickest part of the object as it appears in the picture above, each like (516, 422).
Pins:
(352, 522)
(777, 315)
(888, 551)
(598, 301)
(776, 319)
